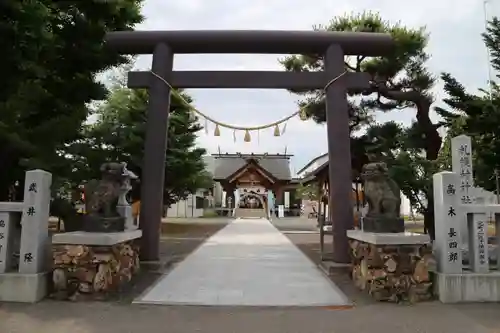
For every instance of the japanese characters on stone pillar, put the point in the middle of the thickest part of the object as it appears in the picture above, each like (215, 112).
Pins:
(447, 222)
(461, 153)
(35, 222)
(478, 244)
(6, 224)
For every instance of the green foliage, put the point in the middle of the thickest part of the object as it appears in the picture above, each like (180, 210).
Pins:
(479, 117)
(51, 52)
(118, 136)
(398, 147)
(476, 115)
(308, 192)
(401, 71)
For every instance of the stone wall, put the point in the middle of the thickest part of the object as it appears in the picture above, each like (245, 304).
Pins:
(82, 271)
(392, 272)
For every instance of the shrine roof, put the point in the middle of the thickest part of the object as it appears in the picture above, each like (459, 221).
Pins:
(226, 165)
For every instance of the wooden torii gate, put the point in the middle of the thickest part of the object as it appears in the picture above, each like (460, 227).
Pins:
(336, 82)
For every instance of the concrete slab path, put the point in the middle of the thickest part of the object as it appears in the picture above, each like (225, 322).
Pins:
(247, 263)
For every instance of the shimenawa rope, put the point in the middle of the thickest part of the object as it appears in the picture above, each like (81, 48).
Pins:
(301, 112)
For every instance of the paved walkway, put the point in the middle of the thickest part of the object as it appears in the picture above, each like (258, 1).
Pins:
(247, 263)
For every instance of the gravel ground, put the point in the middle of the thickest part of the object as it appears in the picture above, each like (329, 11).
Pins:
(119, 316)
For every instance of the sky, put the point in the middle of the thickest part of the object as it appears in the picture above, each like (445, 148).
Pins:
(455, 46)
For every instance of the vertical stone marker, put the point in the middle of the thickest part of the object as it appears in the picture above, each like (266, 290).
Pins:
(461, 155)
(478, 242)
(35, 222)
(6, 225)
(447, 222)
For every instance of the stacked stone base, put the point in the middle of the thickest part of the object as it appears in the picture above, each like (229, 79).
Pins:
(83, 272)
(394, 273)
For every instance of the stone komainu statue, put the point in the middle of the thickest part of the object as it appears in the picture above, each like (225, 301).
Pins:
(384, 200)
(102, 198)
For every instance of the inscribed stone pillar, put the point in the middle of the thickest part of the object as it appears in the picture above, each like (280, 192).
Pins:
(461, 156)
(478, 242)
(35, 241)
(7, 220)
(448, 219)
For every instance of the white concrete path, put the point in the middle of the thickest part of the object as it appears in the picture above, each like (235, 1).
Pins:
(247, 263)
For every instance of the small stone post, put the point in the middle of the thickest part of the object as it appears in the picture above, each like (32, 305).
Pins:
(447, 222)
(35, 241)
(478, 242)
(7, 220)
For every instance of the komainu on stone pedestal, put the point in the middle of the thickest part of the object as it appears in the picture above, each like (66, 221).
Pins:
(92, 272)
(394, 273)
(384, 200)
(102, 199)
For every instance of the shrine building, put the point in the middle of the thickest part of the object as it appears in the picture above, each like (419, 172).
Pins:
(253, 183)
(316, 172)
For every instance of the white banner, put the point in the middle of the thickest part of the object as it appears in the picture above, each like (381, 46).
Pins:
(236, 197)
(287, 199)
(223, 199)
(281, 211)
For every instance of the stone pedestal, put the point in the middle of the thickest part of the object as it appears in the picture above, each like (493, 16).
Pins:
(91, 265)
(392, 266)
(23, 288)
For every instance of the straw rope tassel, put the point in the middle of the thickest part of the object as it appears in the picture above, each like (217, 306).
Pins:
(284, 129)
(197, 113)
(192, 116)
(276, 130)
(303, 114)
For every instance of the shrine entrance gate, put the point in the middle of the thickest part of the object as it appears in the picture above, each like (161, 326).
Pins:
(335, 81)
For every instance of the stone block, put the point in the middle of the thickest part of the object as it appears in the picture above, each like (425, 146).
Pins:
(400, 238)
(379, 224)
(392, 267)
(25, 288)
(94, 223)
(96, 238)
(468, 287)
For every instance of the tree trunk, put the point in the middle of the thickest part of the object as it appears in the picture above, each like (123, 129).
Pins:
(431, 139)
(432, 145)
(429, 219)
